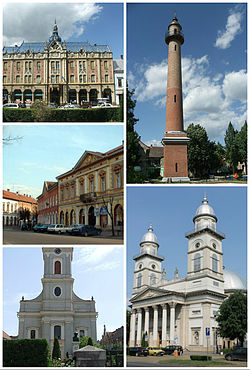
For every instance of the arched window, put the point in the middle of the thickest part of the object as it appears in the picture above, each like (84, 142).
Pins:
(57, 331)
(139, 281)
(32, 334)
(197, 262)
(152, 279)
(57, 267)
(214, 263)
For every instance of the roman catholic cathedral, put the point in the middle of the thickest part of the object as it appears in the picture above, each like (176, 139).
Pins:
(179, 311)
(57, 311)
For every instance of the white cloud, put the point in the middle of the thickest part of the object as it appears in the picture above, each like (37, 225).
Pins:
(101, 257)
(34, 21)
(23, 189)
(153, 142)
(235, 86)
(233, 27)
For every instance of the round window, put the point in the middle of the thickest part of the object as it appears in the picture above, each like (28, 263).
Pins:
(214, 245)
(140, 266)
(153, 266)
(197, 245)
(57, 291)
(57, 250)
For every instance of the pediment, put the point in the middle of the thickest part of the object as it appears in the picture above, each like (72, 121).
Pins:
(86, 159)
(149, 293)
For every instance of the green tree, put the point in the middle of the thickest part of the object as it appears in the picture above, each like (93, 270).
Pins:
(144, 342)
(232, 319)
(133, 147)
(231, 147)
(90, 342)
(40, 111)
(86, 341)
(241, 141)
(128, 325)
(56, 353)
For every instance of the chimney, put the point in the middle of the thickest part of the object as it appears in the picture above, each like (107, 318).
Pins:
(8, 189)
(17, 192)
(121, 57)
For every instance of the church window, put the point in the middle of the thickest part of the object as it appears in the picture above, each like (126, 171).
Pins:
(80, 79)
(53, 65)
(139, 281)
(57, 267)
(30, 65)
(175, 98)
(29, 79)
(152, 279)
(32, 334)
(57, 331)
(197, 262)
(57, 291)
(214, 263)
(26, 66)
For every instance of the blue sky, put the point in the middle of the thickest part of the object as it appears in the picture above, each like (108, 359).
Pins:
(171, 210)
(214, 62)
(47, 151)
(92, 268)
(97, 23)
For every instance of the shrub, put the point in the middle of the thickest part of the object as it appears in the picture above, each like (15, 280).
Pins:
(25, 353)
(226, 350)
(56, 353)
(64, 115)
(200, 358)
(40, 111)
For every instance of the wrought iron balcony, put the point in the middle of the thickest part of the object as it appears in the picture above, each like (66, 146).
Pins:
(88, 197)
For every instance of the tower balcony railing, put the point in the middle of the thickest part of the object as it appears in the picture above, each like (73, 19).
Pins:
(148, 253)
(203, 228)
(171, 35)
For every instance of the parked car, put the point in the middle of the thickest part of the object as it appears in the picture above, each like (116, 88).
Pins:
(41, 228)
(169, 350)
(56, 229)
(52, 105)
(86, 230)
(70, 106)
(21, 105)
(11, 105)
(86, 104)
(237, 354)
(71, 227)
(154, 351)
(138, 351)
(24, 226)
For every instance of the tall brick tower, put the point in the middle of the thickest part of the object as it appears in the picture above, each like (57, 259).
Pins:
(175, 139)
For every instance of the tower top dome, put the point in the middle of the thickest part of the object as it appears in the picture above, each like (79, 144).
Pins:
(149, 236)
(55, 35)
(175, 22)
(233, 281)
(205, 209)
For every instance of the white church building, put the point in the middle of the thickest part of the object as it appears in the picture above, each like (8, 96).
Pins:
(57, 311)
(178, 311)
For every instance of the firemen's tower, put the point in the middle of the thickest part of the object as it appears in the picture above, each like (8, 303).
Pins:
(175, 139)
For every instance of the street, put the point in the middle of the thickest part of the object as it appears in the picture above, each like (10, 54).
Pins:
(16, 236)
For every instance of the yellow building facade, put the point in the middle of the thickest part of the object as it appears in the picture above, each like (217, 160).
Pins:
(91, 193)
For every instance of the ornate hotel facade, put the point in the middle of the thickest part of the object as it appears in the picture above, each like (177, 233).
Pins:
(91, 193)
(58, 71)
(178, 311)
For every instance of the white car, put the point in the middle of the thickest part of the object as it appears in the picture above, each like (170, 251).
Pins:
(69, 228)
(56, 229)
(70, 106)
(11, 105)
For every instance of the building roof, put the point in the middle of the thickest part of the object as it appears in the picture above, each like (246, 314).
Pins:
(149, 236)
(205, 209)
(19, 197)
(6, 336)
(233, 281)
(156, 151)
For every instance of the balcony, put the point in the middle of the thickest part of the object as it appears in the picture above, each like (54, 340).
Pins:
(205, 228)
(88, 197)
(171, 36)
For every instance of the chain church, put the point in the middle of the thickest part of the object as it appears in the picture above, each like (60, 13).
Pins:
(178, 311)
(57, 311)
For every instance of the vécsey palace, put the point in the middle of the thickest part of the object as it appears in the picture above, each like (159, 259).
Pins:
(58, 71)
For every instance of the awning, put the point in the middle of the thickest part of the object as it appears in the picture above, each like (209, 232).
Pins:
(27, 94)
(18, 94)
(38, 94)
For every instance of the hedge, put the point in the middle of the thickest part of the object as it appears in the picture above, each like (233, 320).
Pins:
(25, 353)
(113, 114)
(200, 358)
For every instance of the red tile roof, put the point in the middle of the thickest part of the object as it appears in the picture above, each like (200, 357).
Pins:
(19, 197)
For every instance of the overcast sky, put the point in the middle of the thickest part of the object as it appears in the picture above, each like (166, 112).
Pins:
(98, 272)
(30, 21)
(214, 62)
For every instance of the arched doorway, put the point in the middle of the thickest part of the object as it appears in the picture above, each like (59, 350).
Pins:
(91, 216)
(62, 218)
(66, 219)
(103, 217)
(72, 217)
(72, 96)
(118, 215)
(55, 95)
(17, 95)
(38, 95)
(82, 217)
(107, 94)
(93, 94)
(27, 96)
(83, 95)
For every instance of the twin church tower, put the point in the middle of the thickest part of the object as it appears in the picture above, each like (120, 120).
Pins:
(175, 139)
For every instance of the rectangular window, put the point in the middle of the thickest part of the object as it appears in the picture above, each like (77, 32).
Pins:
(91, 186)
(103, 184)
(84, 65)
(84, 79)
(26, 79)
(38, 66)
(82, 188)
(118, 180)
(57, 79)
(81, 334)
(32, 334)
(18, 66)
(80, 79)
(52, 65)
(57, 64)
(92, 64)
(29, 79)
(92, 78)
(26, 66)
(4, 79)
(80, 65)
(72, 64)
(38, 79)
(5, 66)
(30, 66)
(175, 98)
(106, 78)
(53, 79)
(72, 78)
(105, 64)
(17, 79)
(119, 82)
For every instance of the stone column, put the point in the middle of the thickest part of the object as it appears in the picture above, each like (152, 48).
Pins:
(155, 327)
(139, 326)
(164, 325)
(172, 321)
(132, 329)
(146, 324)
